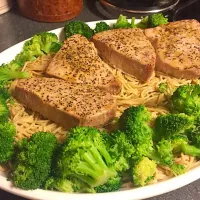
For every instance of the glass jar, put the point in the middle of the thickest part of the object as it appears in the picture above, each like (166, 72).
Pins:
(50, 10)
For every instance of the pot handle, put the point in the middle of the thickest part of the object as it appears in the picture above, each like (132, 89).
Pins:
(180, 7)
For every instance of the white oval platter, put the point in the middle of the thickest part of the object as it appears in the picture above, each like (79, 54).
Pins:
(131, 194)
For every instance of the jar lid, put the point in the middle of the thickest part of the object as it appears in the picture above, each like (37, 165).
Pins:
(139, 7)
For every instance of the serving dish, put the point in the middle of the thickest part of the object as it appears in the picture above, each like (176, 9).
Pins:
(131, 194)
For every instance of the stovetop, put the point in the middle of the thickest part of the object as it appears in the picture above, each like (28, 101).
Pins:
(185, 9)
(188, 12)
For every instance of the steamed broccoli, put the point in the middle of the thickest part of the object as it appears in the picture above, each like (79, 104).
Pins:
(143, 171)
(171, 124)
(134, 123)
(46, 40)
(101, 26)
(77, 27)
(85, 156)
(7, 73)
(67, 185)
(143, 23)
(177, 141)
(190, 150)
(122, 22)
(163, 87)
(7, 134)
(157, 19)
(194, 136)
(4, 111)
(120, 149)
(178, 169)
(113, 184)
(33, 160)
(186, 99)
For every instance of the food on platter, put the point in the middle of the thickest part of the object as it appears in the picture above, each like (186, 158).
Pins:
(78, 62)
(76, 136)
(128, 50)
(177, 48)
(67, 104)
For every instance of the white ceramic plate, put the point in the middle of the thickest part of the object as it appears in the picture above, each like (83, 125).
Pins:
(132, 194)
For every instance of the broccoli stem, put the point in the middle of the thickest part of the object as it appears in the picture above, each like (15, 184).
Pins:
(95, 168)
(190, 150)
(7, 74)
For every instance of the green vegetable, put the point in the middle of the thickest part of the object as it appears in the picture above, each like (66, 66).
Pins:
(120, 149)
(85, 156)
(77, 27)
(101, 26)
(7, 73)
(33, 159)
(67, 185)
(177, 169)
(113, 184)
(157, 20)
(47, 41)
(143, 23)
(134, 123)
(163, 87)
(7, 134)
(122, 22)
(4, 111)
(186, 99)
(171, 124)
(143, 171)
(190, 150)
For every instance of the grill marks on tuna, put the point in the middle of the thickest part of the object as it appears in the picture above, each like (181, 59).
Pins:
(78, 62)
(65, 103)
(128, 50)
(177, 47)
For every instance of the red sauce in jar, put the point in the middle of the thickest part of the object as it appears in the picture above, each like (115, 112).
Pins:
(50, 10)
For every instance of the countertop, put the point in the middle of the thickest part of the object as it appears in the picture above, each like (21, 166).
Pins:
(15, 28)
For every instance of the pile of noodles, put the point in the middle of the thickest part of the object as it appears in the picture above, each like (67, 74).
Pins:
(133, 92)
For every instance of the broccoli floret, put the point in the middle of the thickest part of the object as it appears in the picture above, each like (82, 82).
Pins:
(47, 41)
(177, 169)
(7, 134)
(113, 184)
(120, 149)
(122, 22)
(63, 185)
(143, 23)
(134, 123)
(7, 74)
(101, 26)
(186, 99)
(55, 47)
(143, 171)
(172, 124)
(164, 152)
(194, 136)
(77, 27)
(163, 87)
(4, 111)
(157, 19)
(177, 141)
(190, 150)
(33, 160)
(68, 185)
(85, 156)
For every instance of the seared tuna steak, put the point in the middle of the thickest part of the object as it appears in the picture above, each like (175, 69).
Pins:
(78, 62)
(65, 103)
(128, 50)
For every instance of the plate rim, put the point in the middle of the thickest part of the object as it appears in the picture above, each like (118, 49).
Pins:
(135, 193)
